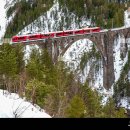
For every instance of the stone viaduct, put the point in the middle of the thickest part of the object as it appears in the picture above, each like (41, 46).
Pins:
(104, 41)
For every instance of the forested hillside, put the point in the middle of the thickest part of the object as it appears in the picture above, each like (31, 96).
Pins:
(104, 13)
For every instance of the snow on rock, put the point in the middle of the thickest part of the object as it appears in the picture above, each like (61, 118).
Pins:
(73, 55)
(127, 18)
(2, 18)
(27, 50)
(118, 62)
(12, 106)
(5, 5)
(125, 102)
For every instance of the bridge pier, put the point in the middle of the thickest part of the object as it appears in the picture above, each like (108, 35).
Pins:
(108, 63)
(55, 52)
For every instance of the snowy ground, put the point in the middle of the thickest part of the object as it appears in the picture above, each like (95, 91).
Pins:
(12, 104)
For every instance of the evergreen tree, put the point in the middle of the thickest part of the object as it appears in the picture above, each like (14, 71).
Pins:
(8, 65)
(21, 76)
(47, 67)
(92, 101)
(34, 68)
(19, 49)
(36, 91)
(111, 112)
(76, 108)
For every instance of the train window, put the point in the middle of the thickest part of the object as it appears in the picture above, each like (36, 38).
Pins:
(59, 33)
(46, 35)
(68, 32)
(20, 38)
(77, 31)
(32, 36)
(94, 29)
(87, 31)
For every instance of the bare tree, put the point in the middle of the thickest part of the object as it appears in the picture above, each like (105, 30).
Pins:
(20, 110)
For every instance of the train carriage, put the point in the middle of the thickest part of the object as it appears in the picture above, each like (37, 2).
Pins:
(19, 39)
(66, 33)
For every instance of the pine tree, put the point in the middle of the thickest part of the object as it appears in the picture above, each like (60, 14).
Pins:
(76, 108)
(8, 64)
(34, 67)
(110, 110)
(92, 101)
(19, 49)
(20, 81)
(36, 91)
(47, 67)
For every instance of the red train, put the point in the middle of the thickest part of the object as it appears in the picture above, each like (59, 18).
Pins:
(35, 37)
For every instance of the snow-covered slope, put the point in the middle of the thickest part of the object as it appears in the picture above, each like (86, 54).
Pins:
(12, 106)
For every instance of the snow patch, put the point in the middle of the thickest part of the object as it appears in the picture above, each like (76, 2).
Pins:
(12, 106)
